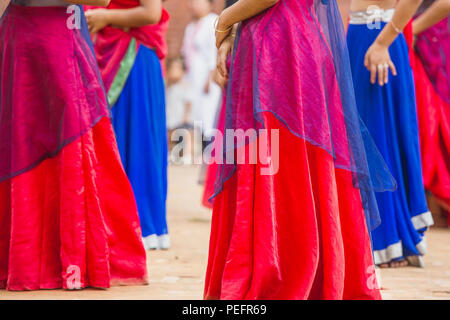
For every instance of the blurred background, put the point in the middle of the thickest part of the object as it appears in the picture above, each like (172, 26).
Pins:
(180, 17)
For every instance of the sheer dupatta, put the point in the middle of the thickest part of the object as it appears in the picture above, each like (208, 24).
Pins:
(292, 61)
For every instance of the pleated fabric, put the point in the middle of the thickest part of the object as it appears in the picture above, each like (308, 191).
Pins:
(391, 118)
(139, 119)
(298, 234)
(72, 221)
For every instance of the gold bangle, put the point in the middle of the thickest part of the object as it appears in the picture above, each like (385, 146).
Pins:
(395, 27)
(221, 31)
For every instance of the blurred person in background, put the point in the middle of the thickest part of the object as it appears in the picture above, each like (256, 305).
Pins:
(286, 228)
(68, 218)
(211, 170)
(130, 42)
(200, 54)
(430, 55)
(385, 96)
(178, 108)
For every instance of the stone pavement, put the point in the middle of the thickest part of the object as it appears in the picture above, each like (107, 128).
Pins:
(179, 272)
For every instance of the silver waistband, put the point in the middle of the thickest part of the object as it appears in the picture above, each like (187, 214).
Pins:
(372, 16)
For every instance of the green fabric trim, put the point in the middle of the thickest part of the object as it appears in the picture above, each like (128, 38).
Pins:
(122, 74)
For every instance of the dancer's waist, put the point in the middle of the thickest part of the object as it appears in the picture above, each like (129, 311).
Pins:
(371, 15)
(41, 3)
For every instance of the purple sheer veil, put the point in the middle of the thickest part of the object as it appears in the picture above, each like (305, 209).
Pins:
(51, 91)
(433, 48)
(292, 61)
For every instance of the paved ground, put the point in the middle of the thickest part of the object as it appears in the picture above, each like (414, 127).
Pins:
(178, 273)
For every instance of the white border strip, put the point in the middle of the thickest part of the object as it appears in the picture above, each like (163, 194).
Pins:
(423, 220)
(395, 251)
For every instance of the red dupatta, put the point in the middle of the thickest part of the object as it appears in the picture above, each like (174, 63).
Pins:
(116, 49)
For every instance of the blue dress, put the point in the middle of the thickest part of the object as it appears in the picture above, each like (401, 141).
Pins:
(139, 119)
(390, 115)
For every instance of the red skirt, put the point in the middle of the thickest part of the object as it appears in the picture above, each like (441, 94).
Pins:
(211, 170)
(299, 234)
(72, 221)
(434, 129)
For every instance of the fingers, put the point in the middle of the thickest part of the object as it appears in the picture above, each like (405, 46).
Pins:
(373, 73)
(89, 21)
(383, 73)
(366, 61)
(222, 63)
(222, 56)
(380, 72)
(221, 81)
(386, 73)
(392, 67)
(220, 37)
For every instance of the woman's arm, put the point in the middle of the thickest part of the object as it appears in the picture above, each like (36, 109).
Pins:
(378, 60)
(404, 11)
(240, 11)
(148, 12)
(3, 6)
(102, 3)
(344, 8)
(434, 14)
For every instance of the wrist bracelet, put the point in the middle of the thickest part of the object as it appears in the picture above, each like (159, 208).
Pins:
(395, 27)
(220, 31)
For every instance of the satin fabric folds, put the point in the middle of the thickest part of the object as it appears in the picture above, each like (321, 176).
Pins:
(300, 232)
(431, 72)
(68, 218)
(130, 64)
(389, 112)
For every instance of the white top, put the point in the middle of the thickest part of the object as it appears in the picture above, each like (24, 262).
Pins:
(176, 102)
(200, 53)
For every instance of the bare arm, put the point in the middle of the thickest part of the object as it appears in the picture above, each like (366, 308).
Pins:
(344, 8)
(102, 3)
(378, 60)
(434, 14)
(404, 11)
(243, 10)
(3, 5)
(238, 12)
(148, 12)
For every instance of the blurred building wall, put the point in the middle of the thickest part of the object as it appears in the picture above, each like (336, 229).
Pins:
(180, 17)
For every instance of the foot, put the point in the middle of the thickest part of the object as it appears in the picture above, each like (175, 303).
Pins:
(394, 264)
(164, 242)
(398, 264)
(151, 242)
(416, 261)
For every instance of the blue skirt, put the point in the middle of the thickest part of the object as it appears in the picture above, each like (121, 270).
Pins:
(390, 115)
(139, 119)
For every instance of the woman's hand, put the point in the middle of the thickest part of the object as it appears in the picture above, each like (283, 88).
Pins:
(97, 19)
(222, 32)
(378, 62)
(219, 80)
(225, 50)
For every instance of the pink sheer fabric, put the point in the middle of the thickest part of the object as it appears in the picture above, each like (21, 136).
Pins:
(433, 48)
(111, 44)
(292, 61)
(46, 100)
